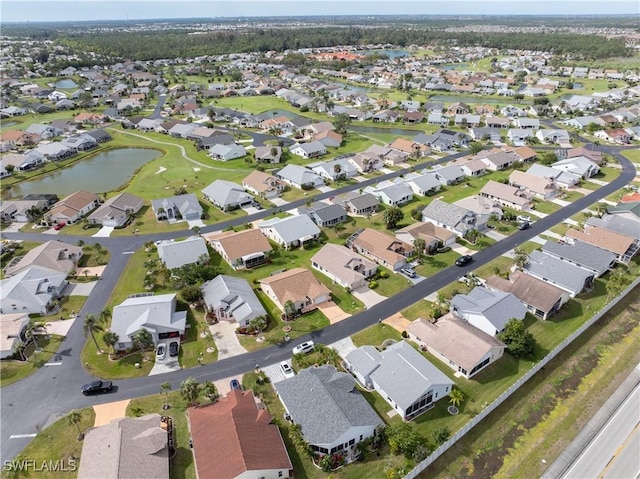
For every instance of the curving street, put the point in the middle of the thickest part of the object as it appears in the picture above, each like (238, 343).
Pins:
(30, 404)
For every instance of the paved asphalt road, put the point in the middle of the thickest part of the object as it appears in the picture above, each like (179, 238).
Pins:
(615, 451)
(53, 390)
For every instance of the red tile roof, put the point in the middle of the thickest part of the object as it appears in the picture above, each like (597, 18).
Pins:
(232, 436)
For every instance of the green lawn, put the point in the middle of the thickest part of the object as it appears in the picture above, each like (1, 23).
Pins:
(392, 284)
(58, 442)
(375, 335)
(546, 207)
(12, 371)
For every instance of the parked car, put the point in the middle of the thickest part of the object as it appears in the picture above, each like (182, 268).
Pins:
(523, 219)
(235, 384)
(59, 226)
(463, 260)
(287, 370)
(95, 387)
(304, 348)
(174, 347)
(161, 352)
(524, 225)
(409, 272)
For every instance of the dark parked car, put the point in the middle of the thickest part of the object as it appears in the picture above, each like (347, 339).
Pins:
(462, 260)
(524, 225)
(174, 347)
(97, 387)
(235, 384)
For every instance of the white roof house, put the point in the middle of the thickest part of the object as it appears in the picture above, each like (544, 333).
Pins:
(299, 177)
(403, 376)
(32, 290)
(291, 231)
(232, 299)
(175, 254)
(226, 195)
(156, 314)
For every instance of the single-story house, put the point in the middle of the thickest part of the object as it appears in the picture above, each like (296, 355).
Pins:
(592, 258)
(361, 204)
(267, 154)
(343, 266)
(557, 272)
(12, 328)
(561, 178)
(241, 249)
(624, 247)
(578, 165)
(300, 177)
(392, 194)
(508, 195)
(457, 343)
(541, 299)
(297, 285)
(486, 309)
(311, 149)
(451, 217)
(35, 290)
(325, 215)
(227, 195)
(184, 207)
(484, 208)
(449, 175)
(72, 208)
(246, 435)
(227, 152)
(422, 184)
(401, 375)
(177, 253)
(54, 255)
(263, 184)
(155, 313)
(127, 448)
(429, 232)
(336, 169)
(232, 299)
(117, 210)
(290, 232)
(539, 186)
(315, 395)
(382, 248)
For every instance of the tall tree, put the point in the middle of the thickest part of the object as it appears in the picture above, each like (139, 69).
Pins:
(143, 339)
(92, 326)
(392, 216)
(189, 390)
(289, 310)
(165, 388)
(520, 342)
(419, 245)
(209, 390)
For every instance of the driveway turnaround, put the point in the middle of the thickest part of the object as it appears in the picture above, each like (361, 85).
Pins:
(224, 335)
(105, 413)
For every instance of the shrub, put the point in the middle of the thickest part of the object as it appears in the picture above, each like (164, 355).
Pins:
(383, 274)
(373, 284)
(405, 334)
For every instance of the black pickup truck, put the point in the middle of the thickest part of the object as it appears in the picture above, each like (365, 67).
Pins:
(97, 387)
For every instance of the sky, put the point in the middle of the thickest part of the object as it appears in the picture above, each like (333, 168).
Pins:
(54, 10)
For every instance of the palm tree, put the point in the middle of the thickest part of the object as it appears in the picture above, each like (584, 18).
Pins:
(18, 348)
(209, 390)
(332, 356)
(456, 396)
(419, 245)
(521, 258)
(110, 339)
(189, 389)
(91, 326)
(104, 315)
(143, 339)
(289, 310)
(74, 417)
(165, 388)
(615, 285)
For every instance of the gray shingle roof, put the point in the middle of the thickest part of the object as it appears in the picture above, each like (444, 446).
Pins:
(292, 228)
(175, 254)
(298, 175)
(619, 224)
(227, 194)
(448, 214)
(583, 254)
(325, 403)
(496, 306)
(235, 295)
(560, 273)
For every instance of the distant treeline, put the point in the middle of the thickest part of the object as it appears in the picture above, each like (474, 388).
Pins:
(179, 43)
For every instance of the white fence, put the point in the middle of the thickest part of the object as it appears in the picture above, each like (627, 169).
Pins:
(514, 387)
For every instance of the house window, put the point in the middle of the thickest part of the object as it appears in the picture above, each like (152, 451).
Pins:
(279, 473)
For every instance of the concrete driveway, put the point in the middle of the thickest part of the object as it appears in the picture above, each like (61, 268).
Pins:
(279, 201)
(333, 312)
(104, 232)
(397, 321)
(105, 413)
(368, 296)
(344, 346)
(79, 289)
(224, 335)
(61, 328)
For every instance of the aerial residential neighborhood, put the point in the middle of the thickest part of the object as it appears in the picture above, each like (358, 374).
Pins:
(271, 246)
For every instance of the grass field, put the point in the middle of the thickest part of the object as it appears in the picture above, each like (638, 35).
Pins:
(12, 370)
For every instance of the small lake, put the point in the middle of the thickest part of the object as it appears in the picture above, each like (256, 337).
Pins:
(103, 172)
(67, 84)
(452, 66)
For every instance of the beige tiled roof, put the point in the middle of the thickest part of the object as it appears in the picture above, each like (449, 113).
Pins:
(528, 289)
(427, 231)
(54, 255)
(295, 285)
(240, 243)
(537, 184)
(602, 238)
(341, 261)
(78, 200)
(506, 193)
(261, 181)
(10, 328)
(455, 339)
(382, 245)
